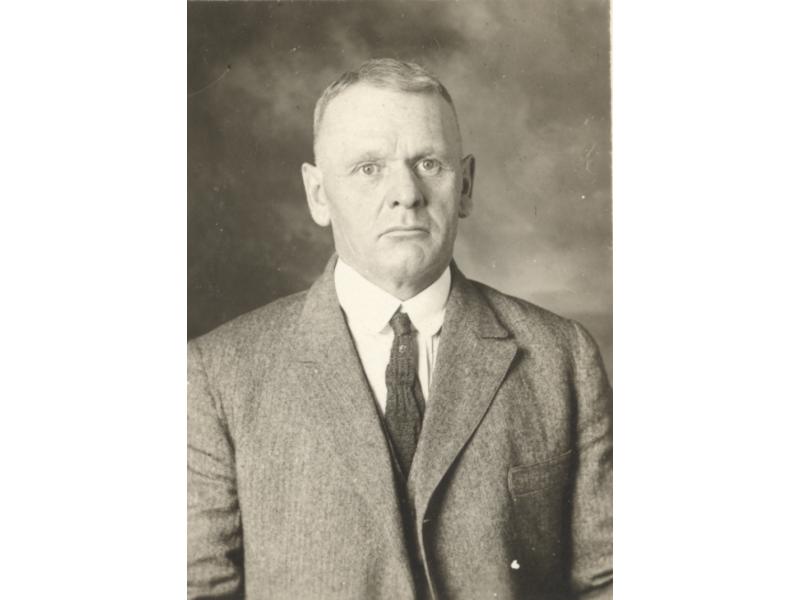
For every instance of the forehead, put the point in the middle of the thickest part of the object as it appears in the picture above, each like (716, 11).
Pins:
(364, 113)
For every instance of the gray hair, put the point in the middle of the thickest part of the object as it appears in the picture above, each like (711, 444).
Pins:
(383, 73)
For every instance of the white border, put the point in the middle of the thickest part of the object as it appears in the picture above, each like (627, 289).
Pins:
(706, 305)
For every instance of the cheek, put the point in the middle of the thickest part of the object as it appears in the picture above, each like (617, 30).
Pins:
(445, 188)
(351, 220)
(354, 199)
(443, 202)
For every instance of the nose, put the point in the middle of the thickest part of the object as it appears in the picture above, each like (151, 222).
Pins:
(404, 188)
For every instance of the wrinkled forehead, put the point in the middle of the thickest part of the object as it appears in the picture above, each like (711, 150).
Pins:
(365, 111)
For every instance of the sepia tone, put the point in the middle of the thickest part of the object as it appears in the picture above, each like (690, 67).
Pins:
(530, 81)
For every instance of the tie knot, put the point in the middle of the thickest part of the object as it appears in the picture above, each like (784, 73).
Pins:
(401, 324)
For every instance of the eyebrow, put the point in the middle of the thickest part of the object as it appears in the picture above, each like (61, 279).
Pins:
(374, 155)
(364, 156)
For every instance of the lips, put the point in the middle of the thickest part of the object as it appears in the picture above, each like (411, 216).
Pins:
(409, 229)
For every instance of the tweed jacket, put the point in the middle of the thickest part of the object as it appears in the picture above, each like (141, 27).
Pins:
(292, 493)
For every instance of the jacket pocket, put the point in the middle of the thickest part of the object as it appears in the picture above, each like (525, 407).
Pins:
(528, 479)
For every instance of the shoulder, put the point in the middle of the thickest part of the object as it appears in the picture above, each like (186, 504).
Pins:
(538, 329)
(522, 318)
(231, 363)
(552, 345)
(256, 333)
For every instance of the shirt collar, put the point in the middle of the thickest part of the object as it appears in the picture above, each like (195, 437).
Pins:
(369, 308)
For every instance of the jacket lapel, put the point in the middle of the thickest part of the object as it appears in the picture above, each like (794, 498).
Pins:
(474, 355)
(338, 398)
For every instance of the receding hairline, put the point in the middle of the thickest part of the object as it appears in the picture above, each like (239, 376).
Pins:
(383, 73)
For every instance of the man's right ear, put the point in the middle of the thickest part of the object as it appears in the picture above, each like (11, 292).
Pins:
(315, 195)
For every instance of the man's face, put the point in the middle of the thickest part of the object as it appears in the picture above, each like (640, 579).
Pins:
(391, 182)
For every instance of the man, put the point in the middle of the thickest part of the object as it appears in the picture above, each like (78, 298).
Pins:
(397, 431)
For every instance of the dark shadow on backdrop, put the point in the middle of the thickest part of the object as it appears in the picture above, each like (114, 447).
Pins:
(530, 80)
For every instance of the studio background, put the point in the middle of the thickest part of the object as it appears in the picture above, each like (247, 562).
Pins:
(530, 80)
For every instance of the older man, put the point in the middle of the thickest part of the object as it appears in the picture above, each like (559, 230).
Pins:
(397, 431)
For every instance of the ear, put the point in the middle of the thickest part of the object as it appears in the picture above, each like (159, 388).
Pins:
(467, 180)
(315, 195)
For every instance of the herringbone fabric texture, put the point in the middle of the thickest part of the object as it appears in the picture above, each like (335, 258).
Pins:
(291, 489)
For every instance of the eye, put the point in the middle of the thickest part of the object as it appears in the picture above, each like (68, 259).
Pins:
(368, 169)
(429, 166)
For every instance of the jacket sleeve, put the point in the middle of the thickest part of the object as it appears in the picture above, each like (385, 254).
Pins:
(591, 573)
(214, 524)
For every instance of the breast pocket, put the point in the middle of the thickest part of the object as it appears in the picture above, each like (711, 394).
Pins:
(525, 480)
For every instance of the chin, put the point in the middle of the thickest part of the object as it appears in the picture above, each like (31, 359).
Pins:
(412, 267)
(407, 260)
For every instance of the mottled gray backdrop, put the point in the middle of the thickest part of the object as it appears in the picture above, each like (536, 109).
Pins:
(530, 80)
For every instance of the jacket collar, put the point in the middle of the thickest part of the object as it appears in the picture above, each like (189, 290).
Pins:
(322, 323)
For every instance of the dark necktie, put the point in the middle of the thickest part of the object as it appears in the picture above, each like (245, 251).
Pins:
(405, 404)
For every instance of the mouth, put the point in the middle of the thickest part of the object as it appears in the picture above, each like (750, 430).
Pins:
(402, 231)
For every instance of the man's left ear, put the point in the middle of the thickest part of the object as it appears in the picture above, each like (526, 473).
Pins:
(467, 180)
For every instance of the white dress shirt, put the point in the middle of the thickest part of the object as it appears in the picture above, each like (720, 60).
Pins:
(368, 309)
